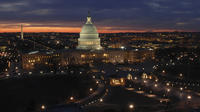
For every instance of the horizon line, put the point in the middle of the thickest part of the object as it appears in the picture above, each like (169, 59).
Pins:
(112, 32)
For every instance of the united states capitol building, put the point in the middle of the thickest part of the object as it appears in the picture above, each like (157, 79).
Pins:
(89, 37)
(89, 50)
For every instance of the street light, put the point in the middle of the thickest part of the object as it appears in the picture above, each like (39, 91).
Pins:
(91, 89)
(43, 107)
(163, 71)
(167, 84)
(122, 47)
(93, 77)
(135, 78)
(131, 107)
(41, 72)
(189, 97)
(101, 100)
(7, 75)
(30, 73)
(71, 98)
(168, 90)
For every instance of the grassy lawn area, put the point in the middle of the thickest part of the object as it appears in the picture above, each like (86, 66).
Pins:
(27, 94)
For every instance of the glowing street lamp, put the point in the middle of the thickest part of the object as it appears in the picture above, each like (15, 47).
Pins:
(189, 97)
(135, 78)
(131, 107)
(167, 84)
(163, 71)
(71, 98)
(93, 77)
(122, 47)
(168, 90)
(43, 107)
(30, 73)
(145, 81)
(91, 89)
(101, 100)
(41, 72)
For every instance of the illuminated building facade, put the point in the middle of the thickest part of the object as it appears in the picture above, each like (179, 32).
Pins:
(29, 61)
(117, 82)
(89, 37)
(87, 57)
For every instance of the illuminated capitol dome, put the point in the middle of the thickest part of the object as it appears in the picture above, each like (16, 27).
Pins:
(89, 37)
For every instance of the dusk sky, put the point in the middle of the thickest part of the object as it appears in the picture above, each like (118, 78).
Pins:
(107, 15)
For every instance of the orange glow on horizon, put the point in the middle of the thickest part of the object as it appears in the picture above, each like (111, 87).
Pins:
(42, 29)
(73, 30)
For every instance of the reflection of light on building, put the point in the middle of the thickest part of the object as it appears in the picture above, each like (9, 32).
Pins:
(164, 100)
(82, 56)
(117, 82)
(144, 76)
(30, 60)
(130, 89)
(140, 92)
(105, 54)
(151, 95)
(129, 77)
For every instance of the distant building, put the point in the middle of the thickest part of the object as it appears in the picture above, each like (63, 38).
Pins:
(3, 44)
(117, 81)
(86, 57)
(89, 37)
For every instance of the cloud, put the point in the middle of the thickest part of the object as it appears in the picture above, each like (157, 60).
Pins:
(181, 23)
(40, 12)
(46, 1)
(197, 19)
(182, 12)
(119, 14)
(14, 6)
(155, 5)
(186, 3)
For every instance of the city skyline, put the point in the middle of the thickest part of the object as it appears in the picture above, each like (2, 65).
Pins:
(87, 72)
(131, 16)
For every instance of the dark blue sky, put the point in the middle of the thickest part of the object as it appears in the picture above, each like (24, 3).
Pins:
(111, 15)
